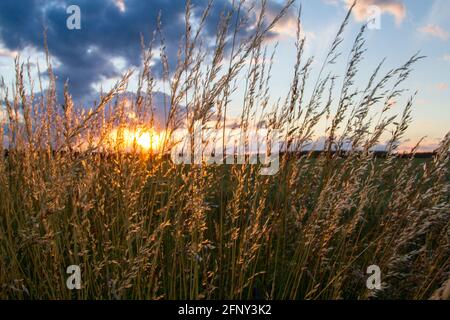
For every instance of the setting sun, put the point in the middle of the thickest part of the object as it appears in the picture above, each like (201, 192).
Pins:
(142, 139)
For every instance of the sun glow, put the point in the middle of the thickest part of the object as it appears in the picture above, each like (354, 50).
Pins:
(141, 139)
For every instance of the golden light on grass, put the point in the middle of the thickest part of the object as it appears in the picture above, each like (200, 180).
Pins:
(156, 230)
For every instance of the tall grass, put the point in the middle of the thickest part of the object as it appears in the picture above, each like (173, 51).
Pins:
(141, 227)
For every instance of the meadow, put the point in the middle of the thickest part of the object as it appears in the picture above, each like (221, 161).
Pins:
(141, 227)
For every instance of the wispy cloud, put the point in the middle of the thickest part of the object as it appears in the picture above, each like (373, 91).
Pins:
(120, 5)
(434, 31)
(287, 28)
(427, 145)
(395, 8)
(6, 53)
(442, 86)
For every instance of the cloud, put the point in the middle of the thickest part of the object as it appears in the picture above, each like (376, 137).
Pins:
(5, 53)
(442, 86)
(120, 5)
(434, 31)
(287, 28)
(446, 57)
(160, 105)
(110, 30)
(427, 145)
(393, 7)
(362, 12)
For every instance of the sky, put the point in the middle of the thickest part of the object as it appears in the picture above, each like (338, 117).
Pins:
(109, 43)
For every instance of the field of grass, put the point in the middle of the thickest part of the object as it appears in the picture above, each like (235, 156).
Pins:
(141, 227)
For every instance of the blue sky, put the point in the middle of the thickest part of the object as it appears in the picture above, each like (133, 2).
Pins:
(109, 43)
(423, 26)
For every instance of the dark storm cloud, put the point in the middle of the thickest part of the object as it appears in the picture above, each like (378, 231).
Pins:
(107, 32)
